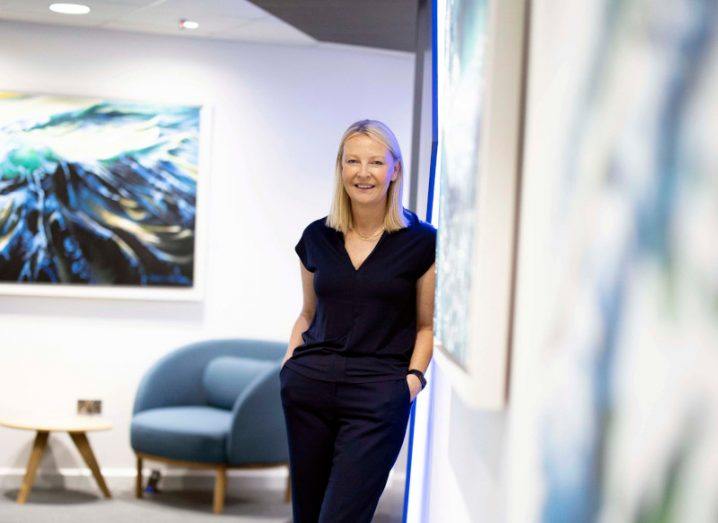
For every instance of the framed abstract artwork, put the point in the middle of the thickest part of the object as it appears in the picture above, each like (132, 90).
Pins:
(100, 197)
(479, 74)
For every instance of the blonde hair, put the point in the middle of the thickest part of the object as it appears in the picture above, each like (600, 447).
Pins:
(340, 215)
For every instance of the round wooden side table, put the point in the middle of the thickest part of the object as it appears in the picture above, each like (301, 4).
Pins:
(77, 426)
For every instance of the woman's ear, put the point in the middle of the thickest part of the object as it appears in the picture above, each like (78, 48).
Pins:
(396, 171)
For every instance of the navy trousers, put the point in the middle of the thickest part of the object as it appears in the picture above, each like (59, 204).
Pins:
(344, 439)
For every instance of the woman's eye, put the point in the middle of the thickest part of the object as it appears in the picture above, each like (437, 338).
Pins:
(379, 163)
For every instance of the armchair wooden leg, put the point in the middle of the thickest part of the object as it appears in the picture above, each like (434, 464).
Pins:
(220, 488)
(288, 490)
(138, 479)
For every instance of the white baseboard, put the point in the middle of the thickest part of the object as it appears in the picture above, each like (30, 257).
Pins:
(272, 478)
(244, 480)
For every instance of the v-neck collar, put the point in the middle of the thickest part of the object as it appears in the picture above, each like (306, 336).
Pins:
(340, 237)
(339, 240)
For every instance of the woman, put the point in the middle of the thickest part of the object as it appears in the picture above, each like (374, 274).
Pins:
(363, 340)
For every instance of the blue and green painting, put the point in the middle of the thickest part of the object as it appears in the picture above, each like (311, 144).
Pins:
(461, 44)
(97, 192)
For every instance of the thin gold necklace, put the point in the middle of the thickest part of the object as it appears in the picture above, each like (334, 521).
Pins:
(371, 236)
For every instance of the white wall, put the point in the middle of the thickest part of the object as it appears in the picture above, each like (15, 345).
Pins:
(465, 465)
(278, 113)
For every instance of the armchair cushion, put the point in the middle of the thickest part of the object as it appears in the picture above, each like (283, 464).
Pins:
(226, 377)
(182, 433)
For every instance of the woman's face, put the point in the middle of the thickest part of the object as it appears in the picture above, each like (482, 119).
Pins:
(367, 162)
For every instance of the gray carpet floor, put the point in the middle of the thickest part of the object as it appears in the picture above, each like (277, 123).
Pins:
(55, 505)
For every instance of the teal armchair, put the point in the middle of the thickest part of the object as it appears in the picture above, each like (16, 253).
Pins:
(213, 404)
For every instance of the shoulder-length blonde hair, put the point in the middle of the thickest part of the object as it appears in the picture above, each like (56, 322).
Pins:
(340, 215)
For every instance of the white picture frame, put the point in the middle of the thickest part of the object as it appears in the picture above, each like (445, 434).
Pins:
(481, 379)
(196, 292)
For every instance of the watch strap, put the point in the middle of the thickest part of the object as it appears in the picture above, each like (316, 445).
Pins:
(418, 374)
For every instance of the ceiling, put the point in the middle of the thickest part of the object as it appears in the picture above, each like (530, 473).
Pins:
(387, 24)
(220, 19)
(384, 24)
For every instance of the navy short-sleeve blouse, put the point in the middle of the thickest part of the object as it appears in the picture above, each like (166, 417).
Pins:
(364, 326)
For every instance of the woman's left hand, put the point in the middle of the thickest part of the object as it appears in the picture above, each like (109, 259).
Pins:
(414, 385)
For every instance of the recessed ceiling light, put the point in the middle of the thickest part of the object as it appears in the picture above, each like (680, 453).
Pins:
(70, 9)
(188, 24)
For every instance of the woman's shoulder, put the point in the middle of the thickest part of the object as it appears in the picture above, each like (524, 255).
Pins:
(419, 226)
(317, 226)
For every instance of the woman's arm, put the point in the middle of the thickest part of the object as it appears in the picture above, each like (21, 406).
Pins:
(424, 344)
(309, 305)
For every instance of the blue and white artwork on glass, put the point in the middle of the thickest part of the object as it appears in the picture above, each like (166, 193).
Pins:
(623, 399)
(97, 192)
(461, 49)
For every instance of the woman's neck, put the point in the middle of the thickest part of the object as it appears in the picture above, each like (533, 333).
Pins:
(367, 219)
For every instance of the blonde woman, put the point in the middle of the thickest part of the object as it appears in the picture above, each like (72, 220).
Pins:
(363, 339)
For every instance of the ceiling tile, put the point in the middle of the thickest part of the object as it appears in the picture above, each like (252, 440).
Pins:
(270, 31)
(171, 28)
(218, 19)
(196, 8)
(169, 21)
(34, 11)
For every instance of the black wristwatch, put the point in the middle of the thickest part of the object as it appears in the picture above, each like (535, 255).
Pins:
(418, 374)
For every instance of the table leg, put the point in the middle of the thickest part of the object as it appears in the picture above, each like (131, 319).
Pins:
(83, 445)
(38, 448)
